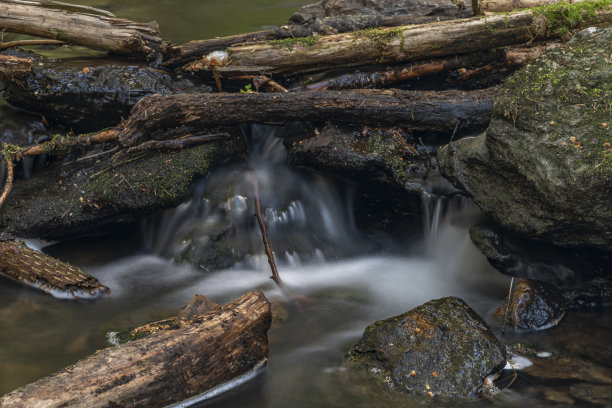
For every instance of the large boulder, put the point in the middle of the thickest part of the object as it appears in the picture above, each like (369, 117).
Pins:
(440, 348)
(543, 168)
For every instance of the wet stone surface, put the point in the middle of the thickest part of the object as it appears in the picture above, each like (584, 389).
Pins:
(441, 348)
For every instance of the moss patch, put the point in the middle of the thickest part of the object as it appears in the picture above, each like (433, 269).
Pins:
(381, 37)
(290, 43)
(567, 96)
(564, 16)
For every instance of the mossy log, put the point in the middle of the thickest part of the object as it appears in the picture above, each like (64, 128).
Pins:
(162, 368)
(34, 268)
(440, 112)
(405, 43)
(80, 25)
(495, 6)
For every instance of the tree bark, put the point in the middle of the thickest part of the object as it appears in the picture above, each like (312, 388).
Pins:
(163, 368)
(79, 25)
(391, 45)
(34, 268)
(153, 116)
(15, 69)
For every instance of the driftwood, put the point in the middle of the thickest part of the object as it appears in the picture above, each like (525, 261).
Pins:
(415, 110)
(165, 367)
(81, 25)
(26, 265)
(391, 45)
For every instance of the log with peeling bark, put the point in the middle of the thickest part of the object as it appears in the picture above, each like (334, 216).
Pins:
(154, 116)
(81, 25)
(34, 268)
(392, 45)
(165, 367)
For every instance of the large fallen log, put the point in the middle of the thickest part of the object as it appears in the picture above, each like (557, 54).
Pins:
(152, 117)
(496, 6)
(163, 368)
(405, 43)
(36, 269)
(81, 25)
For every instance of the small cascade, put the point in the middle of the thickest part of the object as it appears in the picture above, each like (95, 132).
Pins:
(308, 216)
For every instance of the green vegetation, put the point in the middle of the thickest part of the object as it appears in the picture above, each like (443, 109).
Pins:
(381, 37)
(564, 16)
(290, 43)
(10, 151)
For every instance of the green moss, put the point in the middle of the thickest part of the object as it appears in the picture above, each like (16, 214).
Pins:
(381, 37)
(290, 43)
(563, 16)
(567, 96)
(10, 151)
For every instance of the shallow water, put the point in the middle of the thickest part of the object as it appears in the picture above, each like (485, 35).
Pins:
(353, 277)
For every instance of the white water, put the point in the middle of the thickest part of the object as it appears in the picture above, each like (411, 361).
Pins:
(324, 256)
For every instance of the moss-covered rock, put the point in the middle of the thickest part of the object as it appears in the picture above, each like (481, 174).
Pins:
(82, 197)
(440, 348)
(544, 166)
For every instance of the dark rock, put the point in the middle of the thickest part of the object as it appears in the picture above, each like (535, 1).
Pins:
(533, 305)
(595, 293)
(440, 348)
(82, 197)
(525, 258)
(86, 97)
(595, 394)
(391, 157)
(543, 167)
(335, 16)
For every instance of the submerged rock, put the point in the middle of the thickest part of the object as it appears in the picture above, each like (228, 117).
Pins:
(440, 348)
(533, 305)
(83, 197)
(85, 97)
(543, 167)
(516, 256)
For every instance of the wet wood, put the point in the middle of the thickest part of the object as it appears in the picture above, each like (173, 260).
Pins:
(79, 25)
(163, 368)
(15, 69)
(393, 45)
(34, 268)
(154, 116)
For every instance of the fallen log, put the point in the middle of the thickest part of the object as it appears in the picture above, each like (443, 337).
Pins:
(406, 43)
(496, 6)
(153, 116)
(163, 368)
(36, 269)
(79, 25)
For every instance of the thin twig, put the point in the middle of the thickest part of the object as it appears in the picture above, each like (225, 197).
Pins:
(8, 184)
(25, 43)
(507, 306)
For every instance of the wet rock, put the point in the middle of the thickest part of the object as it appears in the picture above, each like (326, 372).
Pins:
(520, 257)
(595, 293)
(543, 168)
(84, 196)
(440, 348)
(85, 97)
(334, 16)
(385, 156)
(533, 305)
(593, 393)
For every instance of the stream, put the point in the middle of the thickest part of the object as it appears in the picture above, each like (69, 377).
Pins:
(353, 272)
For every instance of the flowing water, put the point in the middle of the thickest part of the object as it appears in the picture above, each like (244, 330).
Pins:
(354, 275)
